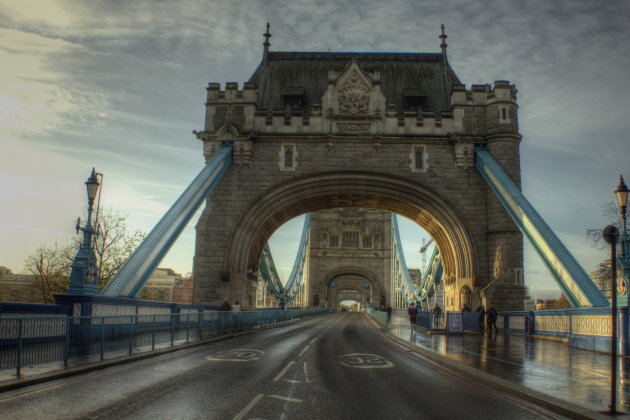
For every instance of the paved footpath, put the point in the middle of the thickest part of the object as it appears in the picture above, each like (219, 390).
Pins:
(535, 366)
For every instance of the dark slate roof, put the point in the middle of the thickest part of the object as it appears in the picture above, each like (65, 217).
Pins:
(418, 74)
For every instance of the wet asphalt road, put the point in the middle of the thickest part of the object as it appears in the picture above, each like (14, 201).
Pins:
(332, 366)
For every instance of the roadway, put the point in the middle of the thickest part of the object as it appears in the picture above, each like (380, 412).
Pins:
(332, 366)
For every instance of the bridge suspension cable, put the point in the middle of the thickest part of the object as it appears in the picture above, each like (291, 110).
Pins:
(575, 283)
(289, 291)
(132, 277)
(430, 278)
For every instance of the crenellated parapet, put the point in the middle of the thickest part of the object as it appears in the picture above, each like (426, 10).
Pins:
(229, 117)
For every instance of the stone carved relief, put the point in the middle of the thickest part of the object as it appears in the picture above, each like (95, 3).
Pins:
(354, 95)
(353, 127)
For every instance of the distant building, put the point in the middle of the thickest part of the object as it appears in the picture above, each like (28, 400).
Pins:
(542, 304)
(18, 287)
(530, 304)
(183, 290)
(602, 276)
(165, 285)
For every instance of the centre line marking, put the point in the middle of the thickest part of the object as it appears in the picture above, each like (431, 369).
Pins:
(304, 351)
(281, 374)
(248, 407)
(283, 398)
(305, 373)
(313, 340)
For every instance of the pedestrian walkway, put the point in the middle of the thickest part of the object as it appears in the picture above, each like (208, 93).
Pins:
(579, 377)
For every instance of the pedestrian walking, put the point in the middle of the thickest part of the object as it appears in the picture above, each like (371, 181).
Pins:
(412, 316)
(236, 315)
(437, 313)
(389, 313)
(482, 315)
(492, 319)
(225, 306)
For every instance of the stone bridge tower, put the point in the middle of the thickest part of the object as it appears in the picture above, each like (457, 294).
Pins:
(388, 131)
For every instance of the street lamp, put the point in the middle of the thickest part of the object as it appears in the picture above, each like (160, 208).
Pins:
(84, 275)
(624, 241)
(611, 236)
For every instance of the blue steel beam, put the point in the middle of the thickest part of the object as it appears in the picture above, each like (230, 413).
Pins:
(401, 274)
(136, 272)
(576, 285)
(269, 273)
(432, 276)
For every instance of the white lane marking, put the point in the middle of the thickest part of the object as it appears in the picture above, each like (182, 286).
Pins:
(305, 350)
(292, 381)
(283, 398)
(306, 373)
(313, 340)
(281, 374)
(248, 407)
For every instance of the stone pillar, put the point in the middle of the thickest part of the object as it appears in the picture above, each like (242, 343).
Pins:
(505, 289)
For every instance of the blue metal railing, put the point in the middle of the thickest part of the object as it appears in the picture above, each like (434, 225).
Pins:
(68, 341)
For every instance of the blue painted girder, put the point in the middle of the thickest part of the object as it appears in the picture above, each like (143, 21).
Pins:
(575, 283)
(132, 277)
(401, 274)
(269, 273)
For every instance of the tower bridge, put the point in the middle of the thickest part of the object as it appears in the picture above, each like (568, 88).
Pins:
(394, 132)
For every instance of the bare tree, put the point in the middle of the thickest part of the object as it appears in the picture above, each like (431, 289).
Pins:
(611, 211)
(50, 268)
(113, 245)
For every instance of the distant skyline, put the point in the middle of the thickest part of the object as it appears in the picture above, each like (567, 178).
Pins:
(121, 85)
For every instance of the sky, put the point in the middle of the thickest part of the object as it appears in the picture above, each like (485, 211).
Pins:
(119, 85)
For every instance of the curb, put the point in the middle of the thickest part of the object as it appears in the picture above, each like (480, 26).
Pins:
(546, 401)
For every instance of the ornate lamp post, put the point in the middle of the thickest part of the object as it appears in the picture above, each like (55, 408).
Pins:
(624, 241)
(611, 236)
(84, 275)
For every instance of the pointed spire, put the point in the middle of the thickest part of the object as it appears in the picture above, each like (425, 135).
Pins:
(443, 45)
(267, 44)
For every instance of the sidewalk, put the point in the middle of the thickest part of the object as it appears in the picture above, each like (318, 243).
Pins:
(534, 366)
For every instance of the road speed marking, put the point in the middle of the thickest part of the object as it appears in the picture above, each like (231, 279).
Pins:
(364, 361)
(236, 355)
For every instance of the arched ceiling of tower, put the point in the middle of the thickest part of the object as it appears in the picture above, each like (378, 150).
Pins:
(366, 190)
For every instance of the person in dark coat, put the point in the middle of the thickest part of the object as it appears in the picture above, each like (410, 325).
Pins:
(389, 313)
(412, 314)
(225, 306)
(482, 315)
(492, 319)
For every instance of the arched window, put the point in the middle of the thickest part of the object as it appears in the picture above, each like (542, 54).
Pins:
(465, 297)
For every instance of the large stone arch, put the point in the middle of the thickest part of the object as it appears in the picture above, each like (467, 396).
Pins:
(368, 295)
(353, 189)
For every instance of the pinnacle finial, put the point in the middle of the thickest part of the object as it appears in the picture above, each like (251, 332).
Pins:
(443, 37)
(267, 44)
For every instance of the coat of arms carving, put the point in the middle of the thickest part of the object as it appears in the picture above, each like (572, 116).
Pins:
(354, 95)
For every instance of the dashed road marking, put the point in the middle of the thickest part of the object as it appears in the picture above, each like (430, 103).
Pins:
(305, 373)
(283, 398)
(281, 374)
(305, 350)
(248, 407)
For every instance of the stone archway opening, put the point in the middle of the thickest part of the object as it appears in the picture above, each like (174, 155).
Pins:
(418, 203)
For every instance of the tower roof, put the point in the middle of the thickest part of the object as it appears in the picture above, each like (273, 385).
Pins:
(401, 74)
